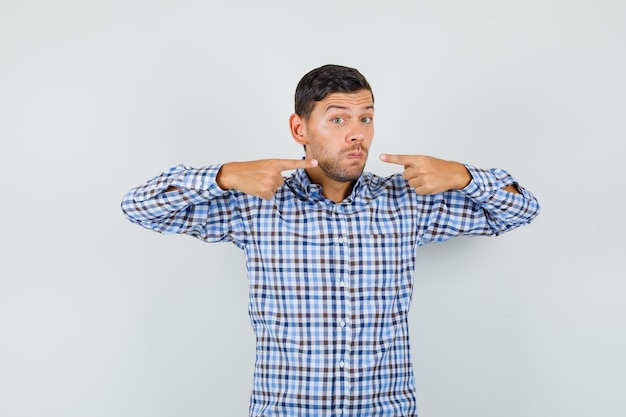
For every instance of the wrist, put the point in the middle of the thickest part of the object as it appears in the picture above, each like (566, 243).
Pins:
(463, 177)
(222, 178)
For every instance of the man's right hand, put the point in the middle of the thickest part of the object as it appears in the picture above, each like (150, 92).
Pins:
(259, 178)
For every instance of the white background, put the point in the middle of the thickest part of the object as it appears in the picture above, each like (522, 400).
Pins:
(99, 317)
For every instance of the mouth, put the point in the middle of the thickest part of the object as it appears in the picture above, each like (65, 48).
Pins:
(356, 154)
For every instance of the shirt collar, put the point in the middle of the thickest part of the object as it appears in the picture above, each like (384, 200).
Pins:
(366, 188)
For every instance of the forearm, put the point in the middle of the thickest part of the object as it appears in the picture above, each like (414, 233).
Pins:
(156, 203)
(505, 203)
(484, 207)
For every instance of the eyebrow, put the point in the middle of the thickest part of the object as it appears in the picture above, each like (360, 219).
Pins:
(333, 106)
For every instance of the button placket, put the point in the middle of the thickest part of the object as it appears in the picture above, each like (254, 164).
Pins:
(343, 308)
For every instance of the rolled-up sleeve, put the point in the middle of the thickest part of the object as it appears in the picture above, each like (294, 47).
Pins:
(198, 206)
(482, 208)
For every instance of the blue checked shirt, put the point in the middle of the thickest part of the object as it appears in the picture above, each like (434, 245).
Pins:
(330, 283)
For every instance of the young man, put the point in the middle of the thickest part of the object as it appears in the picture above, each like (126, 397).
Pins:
(330, 249)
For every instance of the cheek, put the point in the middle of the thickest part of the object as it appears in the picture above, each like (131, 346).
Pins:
(331, 131)
(328, 136)
(369, 137)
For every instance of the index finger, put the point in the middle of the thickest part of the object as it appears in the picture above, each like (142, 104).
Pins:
(289, 164)
(396, 159)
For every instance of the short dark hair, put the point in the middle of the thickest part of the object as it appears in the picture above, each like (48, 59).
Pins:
(317, 84)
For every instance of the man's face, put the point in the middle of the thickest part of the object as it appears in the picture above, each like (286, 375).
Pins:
(339, 133)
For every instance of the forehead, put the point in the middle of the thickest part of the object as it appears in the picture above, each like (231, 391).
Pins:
(359, 100)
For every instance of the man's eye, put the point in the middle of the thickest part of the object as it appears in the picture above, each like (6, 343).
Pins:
(366, 119)
(337, 120)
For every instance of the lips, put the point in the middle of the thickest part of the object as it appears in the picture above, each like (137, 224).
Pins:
(356, 153)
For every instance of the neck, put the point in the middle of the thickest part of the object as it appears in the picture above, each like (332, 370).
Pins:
(337, 194)
(334, 190)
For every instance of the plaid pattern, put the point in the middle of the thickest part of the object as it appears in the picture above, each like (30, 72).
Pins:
(330, 284)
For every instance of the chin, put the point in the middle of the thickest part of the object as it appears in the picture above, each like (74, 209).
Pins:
(352, 175)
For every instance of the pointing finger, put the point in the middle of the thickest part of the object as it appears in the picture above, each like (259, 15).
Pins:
(395, 159)
(290, 164)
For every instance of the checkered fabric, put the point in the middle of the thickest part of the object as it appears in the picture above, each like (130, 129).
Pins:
(330, 283)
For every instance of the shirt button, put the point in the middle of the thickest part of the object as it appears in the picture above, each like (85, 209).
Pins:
(340, 240)
(340, 412)
(342, 364)
(342, 283)
(342, 323)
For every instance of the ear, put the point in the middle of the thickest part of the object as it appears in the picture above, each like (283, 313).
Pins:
(297, 126)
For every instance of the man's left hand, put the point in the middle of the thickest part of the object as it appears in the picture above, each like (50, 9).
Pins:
(428, 175)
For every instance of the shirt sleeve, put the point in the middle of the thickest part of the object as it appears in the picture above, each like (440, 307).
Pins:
(199, 207)
(482, 208)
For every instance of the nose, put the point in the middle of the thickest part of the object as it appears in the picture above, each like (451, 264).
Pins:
(356, 133)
